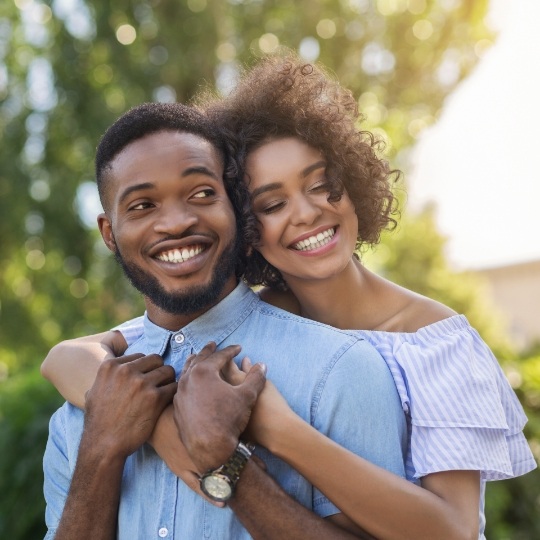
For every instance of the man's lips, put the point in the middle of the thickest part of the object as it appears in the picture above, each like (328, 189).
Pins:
(315, 240)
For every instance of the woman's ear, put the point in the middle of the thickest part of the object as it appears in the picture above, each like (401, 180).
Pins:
(105, 228)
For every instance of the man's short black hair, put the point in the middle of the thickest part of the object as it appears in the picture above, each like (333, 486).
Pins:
(144, 120)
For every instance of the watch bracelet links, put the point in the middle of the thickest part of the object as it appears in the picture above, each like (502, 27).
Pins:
(238, 460)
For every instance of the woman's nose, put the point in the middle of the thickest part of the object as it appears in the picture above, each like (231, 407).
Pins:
(304, 211)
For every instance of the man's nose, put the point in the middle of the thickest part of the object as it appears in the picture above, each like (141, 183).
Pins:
(175, 219)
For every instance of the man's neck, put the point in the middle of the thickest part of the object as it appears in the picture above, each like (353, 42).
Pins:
(173, 321)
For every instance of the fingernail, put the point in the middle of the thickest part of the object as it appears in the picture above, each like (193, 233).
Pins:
(264, 368)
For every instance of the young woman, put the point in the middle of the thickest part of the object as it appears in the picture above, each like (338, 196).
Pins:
(319, 192)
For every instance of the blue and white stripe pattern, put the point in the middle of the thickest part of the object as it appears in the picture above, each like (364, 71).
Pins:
(462, 412)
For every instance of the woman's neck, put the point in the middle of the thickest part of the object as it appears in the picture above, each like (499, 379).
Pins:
(338, 300)
(357, 299)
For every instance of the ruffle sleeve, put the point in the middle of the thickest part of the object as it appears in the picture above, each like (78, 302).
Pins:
(462, 412)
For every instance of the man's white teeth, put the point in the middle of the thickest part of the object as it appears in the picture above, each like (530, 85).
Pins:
(179, 255)
(316, 241)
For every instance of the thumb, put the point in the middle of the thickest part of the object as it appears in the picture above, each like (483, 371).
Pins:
(256, 378)
(246, 364)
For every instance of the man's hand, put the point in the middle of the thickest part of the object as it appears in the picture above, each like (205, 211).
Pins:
(126, 400)
(210, 413)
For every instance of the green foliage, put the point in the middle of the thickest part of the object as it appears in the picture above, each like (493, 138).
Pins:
(513, 506)
(68, 69)
(26, 404)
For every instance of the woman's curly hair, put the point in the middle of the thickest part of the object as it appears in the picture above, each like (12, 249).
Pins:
(282, 96)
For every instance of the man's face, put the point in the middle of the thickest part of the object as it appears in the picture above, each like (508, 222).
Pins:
(170, 223)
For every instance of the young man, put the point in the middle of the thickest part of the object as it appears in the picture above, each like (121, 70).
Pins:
(170, 223)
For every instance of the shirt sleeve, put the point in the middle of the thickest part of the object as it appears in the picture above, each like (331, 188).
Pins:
(57, 473)
(464, 414)
(132, 330)
(357, 406)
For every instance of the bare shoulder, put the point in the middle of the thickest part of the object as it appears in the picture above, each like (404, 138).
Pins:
(423, 311)
(280, 299)
(409, 311)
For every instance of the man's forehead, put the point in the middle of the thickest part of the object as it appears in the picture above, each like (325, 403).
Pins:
(183, 145)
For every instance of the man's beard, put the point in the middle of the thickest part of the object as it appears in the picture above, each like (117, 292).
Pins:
(191, 300)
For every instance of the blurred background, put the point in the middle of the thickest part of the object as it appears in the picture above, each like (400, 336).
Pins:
(450, 85)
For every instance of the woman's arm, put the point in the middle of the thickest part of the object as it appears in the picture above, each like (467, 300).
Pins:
(72, 365)
(385, 505)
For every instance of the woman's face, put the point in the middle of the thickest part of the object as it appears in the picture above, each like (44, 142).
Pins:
(302, 234)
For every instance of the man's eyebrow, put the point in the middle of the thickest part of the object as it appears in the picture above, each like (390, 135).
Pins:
(136, 187)
(276, 185)
(200, 170)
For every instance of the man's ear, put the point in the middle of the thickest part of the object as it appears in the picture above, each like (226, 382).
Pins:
(105, 228)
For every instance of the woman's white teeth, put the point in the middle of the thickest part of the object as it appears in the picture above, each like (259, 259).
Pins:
(315, 241)
(179, 255)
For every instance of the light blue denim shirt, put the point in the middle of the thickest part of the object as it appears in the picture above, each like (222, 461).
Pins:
(333, 379)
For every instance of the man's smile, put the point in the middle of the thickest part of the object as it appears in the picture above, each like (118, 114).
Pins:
(180, 255)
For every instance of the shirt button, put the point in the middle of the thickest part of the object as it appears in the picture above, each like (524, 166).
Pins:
(179, 338)
(163, 532)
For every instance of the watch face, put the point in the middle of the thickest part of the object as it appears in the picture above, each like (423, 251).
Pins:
(217, 487)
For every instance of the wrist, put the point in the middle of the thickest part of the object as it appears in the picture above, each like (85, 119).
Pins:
(212, 454)
(219, 484)
(277, 435)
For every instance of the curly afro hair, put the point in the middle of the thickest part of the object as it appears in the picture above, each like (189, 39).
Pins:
(282, 96)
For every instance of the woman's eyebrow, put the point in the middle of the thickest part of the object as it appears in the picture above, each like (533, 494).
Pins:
(318, 165)
(277, 185)
(267, 187)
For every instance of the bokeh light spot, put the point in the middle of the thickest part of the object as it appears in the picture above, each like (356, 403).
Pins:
(268, 43)
(103, 74)
(416, 6)
(126, 34)
(79, 288)
(35, 260)
(226, 52)
(196, 5)
(422, 29)
(309, 49)
(326, 28)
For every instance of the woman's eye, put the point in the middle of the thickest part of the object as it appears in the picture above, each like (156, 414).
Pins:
(323, 186)
(272, 207)
(204, 193)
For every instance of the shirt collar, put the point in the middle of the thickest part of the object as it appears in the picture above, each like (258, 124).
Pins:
(214, 325)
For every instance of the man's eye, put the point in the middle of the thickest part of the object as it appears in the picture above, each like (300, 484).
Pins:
(141, 206)
(204, 193)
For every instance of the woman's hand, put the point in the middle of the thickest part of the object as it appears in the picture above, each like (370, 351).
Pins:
(166, 442)
(271, 413)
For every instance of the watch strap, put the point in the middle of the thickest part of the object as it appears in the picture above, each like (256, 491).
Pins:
(234, 465)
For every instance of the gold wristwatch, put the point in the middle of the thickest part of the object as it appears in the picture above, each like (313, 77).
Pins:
(219, 484)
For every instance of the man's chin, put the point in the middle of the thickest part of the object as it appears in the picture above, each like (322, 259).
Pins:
(190, 299)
